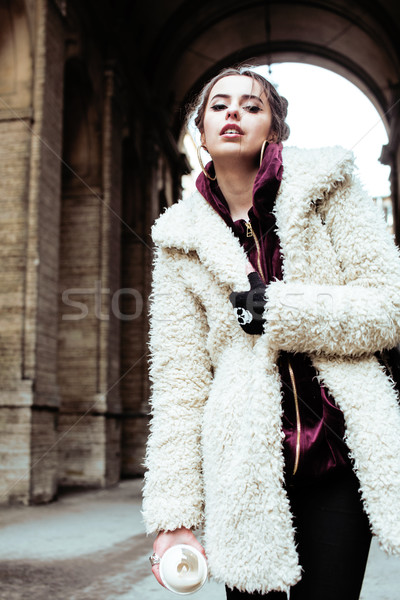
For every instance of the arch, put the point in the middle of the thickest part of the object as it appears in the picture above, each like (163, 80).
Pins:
(358, 40)
(306, 53)
(197, 40)
(15, 55)
(191, 20)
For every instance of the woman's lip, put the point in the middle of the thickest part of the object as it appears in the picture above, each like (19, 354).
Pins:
(233, 127)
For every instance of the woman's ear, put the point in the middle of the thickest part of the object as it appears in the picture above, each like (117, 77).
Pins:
(202, 139)
(272, 137)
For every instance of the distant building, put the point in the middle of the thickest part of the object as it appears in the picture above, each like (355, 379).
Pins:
(385, 204)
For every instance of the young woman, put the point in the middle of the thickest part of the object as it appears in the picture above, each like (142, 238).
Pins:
(275, 422)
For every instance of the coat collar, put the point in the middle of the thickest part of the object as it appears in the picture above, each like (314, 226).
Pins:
(309, 177)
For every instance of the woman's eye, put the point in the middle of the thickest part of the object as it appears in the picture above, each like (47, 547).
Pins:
(252, 108)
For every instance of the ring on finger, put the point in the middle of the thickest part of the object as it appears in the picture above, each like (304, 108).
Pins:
(154, 559)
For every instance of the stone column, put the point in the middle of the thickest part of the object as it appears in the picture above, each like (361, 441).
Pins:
(141, 206)
(30, 143)
(88, 355)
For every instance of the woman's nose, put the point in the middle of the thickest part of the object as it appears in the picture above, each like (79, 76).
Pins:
(232, 113)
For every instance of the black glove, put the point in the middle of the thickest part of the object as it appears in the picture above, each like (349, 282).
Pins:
(249, 306)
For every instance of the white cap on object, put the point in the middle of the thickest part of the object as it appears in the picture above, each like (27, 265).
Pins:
(183, 569)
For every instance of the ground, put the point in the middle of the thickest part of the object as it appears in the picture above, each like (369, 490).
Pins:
(91, 546)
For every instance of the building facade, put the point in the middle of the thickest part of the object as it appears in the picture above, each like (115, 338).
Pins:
(91, 115)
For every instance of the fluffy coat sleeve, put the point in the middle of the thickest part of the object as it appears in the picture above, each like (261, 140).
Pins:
(362, 316)
(180, 376)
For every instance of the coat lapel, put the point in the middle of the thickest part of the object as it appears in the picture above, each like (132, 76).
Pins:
(193, 225)
(309, 177)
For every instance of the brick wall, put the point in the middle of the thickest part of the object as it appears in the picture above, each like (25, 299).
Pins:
(73, 392)
(15, 431)
(40, 350)
(142, 207)
(134, 355)
(14, 157)
(16, 394)
(88, 349)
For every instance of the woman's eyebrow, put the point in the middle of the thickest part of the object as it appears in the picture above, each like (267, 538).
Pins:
(252, 97)
(243, 97)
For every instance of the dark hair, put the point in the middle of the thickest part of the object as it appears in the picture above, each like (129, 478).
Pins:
(277, 103)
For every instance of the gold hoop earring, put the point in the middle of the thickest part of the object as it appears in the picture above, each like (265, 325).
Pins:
(201, 164)
(265, 142)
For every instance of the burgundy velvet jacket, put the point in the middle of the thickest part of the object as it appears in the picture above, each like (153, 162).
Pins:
(312, 423)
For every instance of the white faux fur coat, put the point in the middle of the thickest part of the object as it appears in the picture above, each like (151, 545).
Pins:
(214, 454)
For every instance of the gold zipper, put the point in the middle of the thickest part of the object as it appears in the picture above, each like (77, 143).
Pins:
(298, 424)
(250, 233)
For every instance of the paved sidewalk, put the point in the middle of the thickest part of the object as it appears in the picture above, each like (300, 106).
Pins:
(92, 546)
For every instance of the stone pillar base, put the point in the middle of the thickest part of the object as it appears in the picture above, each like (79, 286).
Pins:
(88, 450)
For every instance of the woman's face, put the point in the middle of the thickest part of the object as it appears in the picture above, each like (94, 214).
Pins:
(237, 119)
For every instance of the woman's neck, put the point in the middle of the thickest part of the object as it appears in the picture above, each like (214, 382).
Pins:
(236, 184)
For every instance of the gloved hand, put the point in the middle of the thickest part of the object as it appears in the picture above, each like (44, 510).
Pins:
(249, 306)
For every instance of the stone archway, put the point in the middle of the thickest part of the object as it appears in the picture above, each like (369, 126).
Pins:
(359, 41)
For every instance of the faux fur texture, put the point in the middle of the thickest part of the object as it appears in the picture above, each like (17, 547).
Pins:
(214, 453)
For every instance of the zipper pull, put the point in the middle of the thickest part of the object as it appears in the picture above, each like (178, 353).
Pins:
(249, 232)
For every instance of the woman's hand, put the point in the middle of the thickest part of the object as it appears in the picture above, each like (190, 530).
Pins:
(166, 539)
(249, 306)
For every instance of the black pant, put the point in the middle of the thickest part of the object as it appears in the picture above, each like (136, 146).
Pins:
(333, 537)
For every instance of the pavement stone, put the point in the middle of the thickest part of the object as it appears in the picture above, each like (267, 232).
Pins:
(91, 545)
